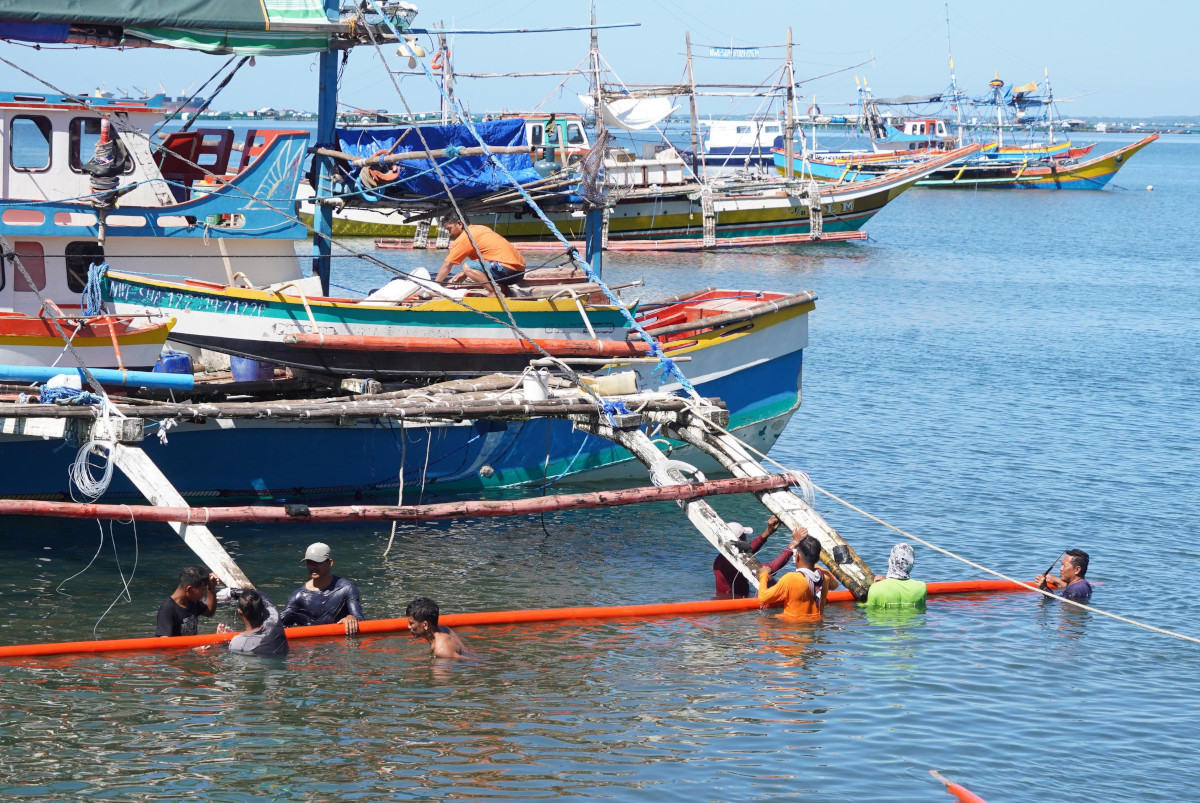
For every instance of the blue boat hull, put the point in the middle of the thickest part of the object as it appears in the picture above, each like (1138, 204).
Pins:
(276, 460)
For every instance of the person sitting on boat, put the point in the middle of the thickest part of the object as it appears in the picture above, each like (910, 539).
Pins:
(326, 598)
(896, 589)
(802, 592)
(730, 583)
(422, 614)
(196, 595)
(503, 262)
(264, 634)
(1070, 583)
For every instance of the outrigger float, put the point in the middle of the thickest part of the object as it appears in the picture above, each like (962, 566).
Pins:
(385, 627)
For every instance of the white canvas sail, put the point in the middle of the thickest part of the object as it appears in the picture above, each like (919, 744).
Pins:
(633, 114)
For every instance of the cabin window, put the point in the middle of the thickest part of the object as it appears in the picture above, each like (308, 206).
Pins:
(772, 129)
(30, 143)
(83, 134)
(552, 134)
(574, 134)
(535, 135)
(921, 128)
(80, 257)
(941, 127)
(33, 259)
(743, 129)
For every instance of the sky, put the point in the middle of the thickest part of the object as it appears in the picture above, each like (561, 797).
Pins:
(1105, 58)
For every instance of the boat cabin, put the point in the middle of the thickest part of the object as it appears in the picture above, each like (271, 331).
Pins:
(740, 136)
(559, 138)
(167, 215)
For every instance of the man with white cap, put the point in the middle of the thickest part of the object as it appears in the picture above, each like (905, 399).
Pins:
(897, 589)
(729, 582)
(325, 598)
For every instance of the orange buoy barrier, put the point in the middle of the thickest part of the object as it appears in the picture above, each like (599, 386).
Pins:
(480, 619)
(959, 791)
(471, 345)
(475, 508)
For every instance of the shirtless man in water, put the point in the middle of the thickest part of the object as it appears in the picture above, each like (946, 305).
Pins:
(422, 615)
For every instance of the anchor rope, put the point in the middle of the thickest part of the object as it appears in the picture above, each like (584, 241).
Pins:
(950, 554)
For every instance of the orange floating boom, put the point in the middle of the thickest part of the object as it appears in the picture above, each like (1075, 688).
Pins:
(962, 793)
(471, 345)
(444, 510)
(482, 619)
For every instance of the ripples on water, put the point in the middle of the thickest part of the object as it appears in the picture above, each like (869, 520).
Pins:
(1004, 374)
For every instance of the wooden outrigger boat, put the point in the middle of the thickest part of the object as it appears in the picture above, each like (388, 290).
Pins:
(103, 341)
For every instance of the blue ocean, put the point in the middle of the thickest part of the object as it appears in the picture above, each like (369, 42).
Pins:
(1004, 375)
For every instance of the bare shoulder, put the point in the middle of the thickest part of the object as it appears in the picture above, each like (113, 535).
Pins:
(447, 644)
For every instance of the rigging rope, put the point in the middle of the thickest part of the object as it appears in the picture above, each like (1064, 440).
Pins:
(1048, 594)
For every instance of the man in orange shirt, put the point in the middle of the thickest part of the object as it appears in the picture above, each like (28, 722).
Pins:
(802, 592)
(497, 254)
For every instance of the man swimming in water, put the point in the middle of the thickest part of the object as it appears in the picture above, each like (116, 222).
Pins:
(326, 598)
(422, 614)
(196, 595)
(1070, 583)
(264, 634)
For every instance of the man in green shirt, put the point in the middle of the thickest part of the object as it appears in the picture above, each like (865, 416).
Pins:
(897, 589)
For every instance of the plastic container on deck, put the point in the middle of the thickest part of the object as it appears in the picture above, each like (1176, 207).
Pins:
(247, 370)
(173, 362)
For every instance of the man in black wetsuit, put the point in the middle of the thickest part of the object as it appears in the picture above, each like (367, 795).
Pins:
(325, 598)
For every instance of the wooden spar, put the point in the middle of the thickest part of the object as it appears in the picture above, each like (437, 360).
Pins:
(765, 307)
(470, 345)
(697, 162)
(700, 513)
(449, 409)
(838, 556)
(408, 156)
(789, 129)
(433, 512)
(155, 487)
(474, 619)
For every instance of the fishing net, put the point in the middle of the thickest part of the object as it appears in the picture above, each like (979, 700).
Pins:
(593, 189)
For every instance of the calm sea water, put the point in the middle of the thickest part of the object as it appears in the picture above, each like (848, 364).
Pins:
(1004, 374)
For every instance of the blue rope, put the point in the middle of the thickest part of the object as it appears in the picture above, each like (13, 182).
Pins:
(92, 299)
(668, 366)
(76, 396)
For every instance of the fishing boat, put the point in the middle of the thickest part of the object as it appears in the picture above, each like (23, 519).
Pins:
(103, 341)
(1024, 161)
(657, 203)
(220, 214)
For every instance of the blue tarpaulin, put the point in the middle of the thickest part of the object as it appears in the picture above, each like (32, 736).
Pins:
(468, 176)
(46, 33)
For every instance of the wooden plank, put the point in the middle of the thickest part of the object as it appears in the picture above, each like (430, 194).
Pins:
(793, 511)
(158, 490)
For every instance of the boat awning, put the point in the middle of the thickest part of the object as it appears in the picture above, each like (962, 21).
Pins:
(266, 27)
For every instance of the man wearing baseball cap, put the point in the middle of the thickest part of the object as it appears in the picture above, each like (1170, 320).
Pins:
(325, 598)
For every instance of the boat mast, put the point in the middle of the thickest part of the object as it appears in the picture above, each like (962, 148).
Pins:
(790, 124)
(323, 165)
(1049, 103)
(696, 162)
(594, 61)
(447, 101)
(953, 81)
